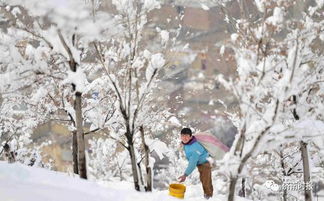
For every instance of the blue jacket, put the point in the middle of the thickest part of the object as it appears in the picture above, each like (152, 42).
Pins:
(196, 154)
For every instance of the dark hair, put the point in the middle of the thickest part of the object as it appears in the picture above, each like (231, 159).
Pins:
(186, 131)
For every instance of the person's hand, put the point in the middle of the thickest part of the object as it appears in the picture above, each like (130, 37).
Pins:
(182, 178)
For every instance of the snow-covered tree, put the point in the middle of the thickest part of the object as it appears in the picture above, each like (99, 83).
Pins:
(108, 160)
(47, 45)
(131, 65)
(17, 120)
(81, 60)
(279, 79)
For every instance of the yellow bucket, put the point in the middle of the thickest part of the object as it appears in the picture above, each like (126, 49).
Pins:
(177, 190)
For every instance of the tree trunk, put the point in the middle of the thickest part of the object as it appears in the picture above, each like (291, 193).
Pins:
(231, 192)
(80, 136)
(134, 165)
(284, 194)
(147, 162)
(149, 179)
(140, 175)
(75, 152)
(242, 192)
(238, 148)
(81, 159)
(306, 171)
(9, 155)
(282, 162)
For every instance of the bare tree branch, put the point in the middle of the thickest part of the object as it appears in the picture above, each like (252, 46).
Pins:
(106, 119)
(92, 131)
(295, 60)
(68, 50)
(111, 80)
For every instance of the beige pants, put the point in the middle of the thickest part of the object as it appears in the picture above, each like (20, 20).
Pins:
(205, 178)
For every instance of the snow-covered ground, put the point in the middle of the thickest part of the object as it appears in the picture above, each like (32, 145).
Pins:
(23, 183)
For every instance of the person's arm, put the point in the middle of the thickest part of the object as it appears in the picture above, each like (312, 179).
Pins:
(193, 160)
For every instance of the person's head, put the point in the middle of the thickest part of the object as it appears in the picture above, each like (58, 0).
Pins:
(186, 135)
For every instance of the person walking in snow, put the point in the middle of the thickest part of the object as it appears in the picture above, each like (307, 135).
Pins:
(197, 155)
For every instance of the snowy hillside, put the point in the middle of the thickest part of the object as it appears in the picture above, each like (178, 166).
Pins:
(23, 183)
